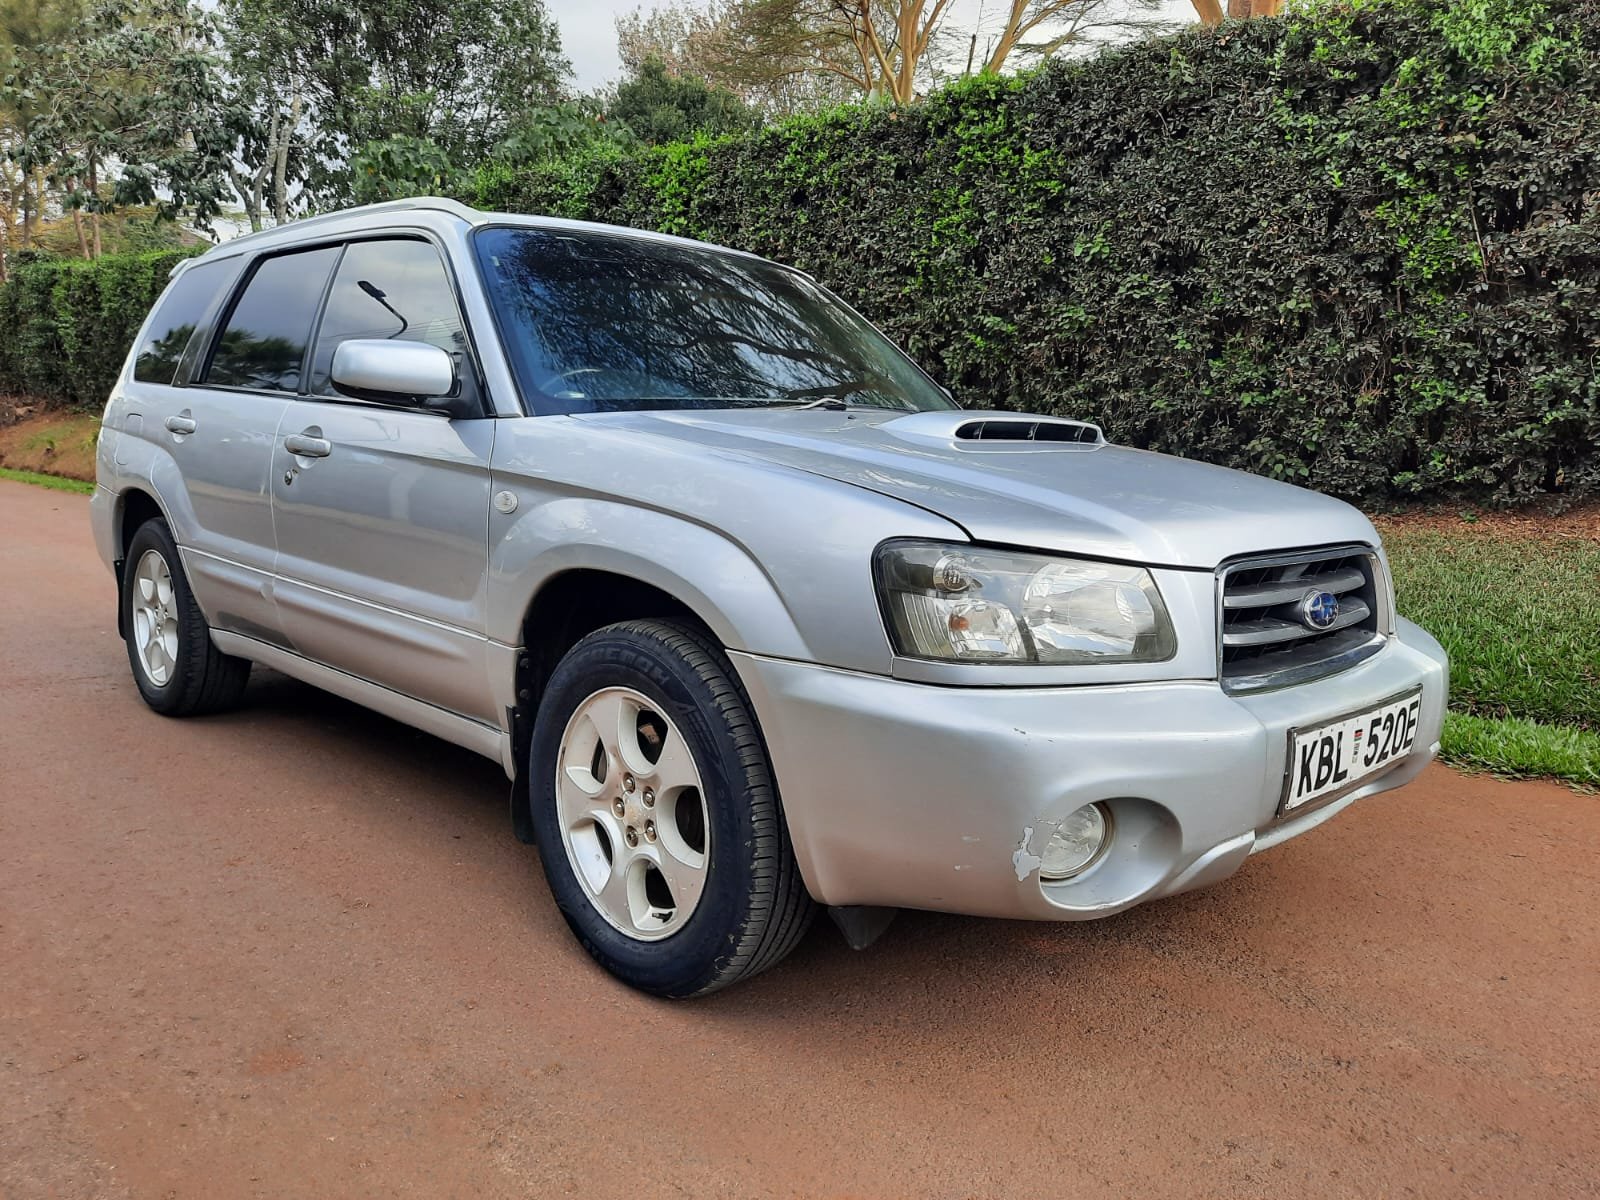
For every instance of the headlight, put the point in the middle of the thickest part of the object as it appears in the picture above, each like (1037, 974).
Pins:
(975, 605)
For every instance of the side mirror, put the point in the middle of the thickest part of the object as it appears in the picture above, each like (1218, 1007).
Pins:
(386, 372)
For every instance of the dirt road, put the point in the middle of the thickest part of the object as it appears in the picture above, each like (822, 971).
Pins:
(294, 951)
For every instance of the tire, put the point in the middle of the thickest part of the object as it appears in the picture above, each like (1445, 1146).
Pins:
(666, 681)
(185, 675)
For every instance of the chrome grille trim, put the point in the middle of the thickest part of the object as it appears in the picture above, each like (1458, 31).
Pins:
(1262, 642)
(1261, 594)
(1269, 631)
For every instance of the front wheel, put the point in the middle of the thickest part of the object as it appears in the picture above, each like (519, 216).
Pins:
(658, 823)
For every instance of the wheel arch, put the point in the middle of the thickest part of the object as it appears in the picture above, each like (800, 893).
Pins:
(135, 505)
(569, 604)
(706, 571)
(552, 589)
(574, 603)
(594, 561)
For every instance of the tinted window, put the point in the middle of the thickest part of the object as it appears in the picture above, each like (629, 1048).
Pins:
(599, 322)
(395, 291)
(264, 342)
(178, 313)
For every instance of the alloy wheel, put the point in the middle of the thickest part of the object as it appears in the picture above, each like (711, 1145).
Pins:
(633, 813)
(155, 618)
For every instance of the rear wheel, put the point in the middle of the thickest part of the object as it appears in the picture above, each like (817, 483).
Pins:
(178, 671)
(660, 829)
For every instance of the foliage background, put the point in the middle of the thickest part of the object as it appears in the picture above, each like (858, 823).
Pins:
(1357, 248)
(68, 323)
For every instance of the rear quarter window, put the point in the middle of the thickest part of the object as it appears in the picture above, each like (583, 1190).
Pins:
(178, 314)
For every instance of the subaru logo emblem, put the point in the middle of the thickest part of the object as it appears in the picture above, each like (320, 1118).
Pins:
(1319, 610)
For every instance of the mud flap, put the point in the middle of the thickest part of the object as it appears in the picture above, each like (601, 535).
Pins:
(521, 801)
(861, 924)
(122, 631)
(521, 815)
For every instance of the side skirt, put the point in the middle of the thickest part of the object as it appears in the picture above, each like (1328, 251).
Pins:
(463, 731)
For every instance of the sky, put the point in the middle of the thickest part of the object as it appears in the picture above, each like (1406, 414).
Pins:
(589, 33)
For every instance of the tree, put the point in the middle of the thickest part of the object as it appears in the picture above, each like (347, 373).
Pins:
(661, 107)
(1240, 10)
(266, 107)
(893, 49)
(335, 101)
(25, 27)
(680, 36)
(453, 74)
(1210, 11)
(704, 42)
(121, 110)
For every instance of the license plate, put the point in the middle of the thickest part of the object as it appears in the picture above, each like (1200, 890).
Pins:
(1331, 757)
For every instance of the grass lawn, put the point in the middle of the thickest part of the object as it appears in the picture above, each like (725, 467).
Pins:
(1517, 607)
(52, 443)
(50, 481)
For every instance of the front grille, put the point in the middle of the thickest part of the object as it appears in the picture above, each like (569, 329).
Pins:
(1266, 638)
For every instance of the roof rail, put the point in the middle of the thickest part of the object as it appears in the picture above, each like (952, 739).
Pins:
(455, 208)
(431, 203)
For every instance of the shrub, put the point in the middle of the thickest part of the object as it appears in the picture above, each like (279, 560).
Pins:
(69, 324)
(1357, 248)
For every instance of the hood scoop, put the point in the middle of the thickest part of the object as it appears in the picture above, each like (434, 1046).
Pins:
(997, 430)
(1011, 430)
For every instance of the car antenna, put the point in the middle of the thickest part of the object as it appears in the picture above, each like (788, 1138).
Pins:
(378, 294)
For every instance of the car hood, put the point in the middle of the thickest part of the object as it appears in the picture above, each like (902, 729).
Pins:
(1087, 498)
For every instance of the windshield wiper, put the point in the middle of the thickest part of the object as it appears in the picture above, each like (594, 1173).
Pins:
(831, 391)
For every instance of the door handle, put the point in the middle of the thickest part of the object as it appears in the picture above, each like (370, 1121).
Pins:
(182, 423)
(308, 445)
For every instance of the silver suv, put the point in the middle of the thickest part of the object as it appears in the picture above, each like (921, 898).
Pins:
(755, 617)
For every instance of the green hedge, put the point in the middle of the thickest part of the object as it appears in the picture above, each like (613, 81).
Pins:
(66, 325)
(1358, 248)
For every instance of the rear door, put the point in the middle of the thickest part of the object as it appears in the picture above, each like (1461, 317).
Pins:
(383, 539)
(220, 429)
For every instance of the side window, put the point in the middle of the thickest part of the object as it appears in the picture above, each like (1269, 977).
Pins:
(178, 314)
(395, 290)
(263, 344)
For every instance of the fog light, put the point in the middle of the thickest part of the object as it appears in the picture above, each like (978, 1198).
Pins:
(1077, 843)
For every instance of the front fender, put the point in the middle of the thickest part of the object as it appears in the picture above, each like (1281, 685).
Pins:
(707, 571)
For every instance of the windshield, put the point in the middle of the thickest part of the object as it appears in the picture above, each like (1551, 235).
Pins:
(598, 322)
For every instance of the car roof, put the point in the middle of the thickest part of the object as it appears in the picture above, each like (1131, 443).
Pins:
(390, 213)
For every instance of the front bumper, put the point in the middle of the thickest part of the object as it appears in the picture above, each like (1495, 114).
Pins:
(915, 796)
